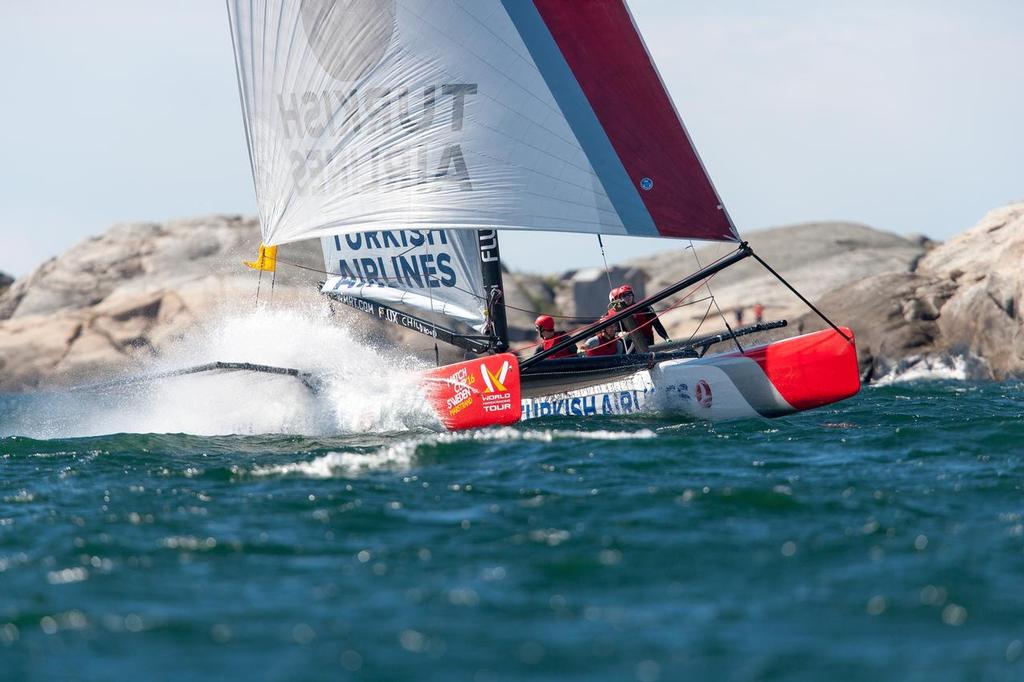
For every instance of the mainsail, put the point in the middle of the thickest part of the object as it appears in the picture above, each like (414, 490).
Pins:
(436, 271)
(433, 114)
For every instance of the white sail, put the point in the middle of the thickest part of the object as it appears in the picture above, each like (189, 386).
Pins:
(435, 271)
(432, 114)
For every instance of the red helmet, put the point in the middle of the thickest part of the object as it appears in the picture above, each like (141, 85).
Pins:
(625, 289)
(614, 294)
(544, 323)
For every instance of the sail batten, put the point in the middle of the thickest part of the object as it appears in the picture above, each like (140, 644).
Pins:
(462, 114)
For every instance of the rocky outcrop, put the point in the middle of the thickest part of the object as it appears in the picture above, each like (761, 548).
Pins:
(814, 257)
(129, 293)
(134, 292)
(587, 289)
(961, 306)
(5, 282)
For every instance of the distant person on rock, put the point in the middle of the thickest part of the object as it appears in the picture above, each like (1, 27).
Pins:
(758, 313)
(545, 325)
(739, 317)
(641, 326)
(606, 342)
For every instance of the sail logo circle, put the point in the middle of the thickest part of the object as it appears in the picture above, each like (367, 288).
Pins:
(646, 184)
(703, 393)
(348, 37)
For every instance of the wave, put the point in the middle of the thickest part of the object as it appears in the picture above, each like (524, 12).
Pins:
(965, 367)
(402, 456)
(363, 388)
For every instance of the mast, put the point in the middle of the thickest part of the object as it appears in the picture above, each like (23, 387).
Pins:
(490, 268)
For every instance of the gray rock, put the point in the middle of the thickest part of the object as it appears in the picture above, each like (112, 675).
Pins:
(126, 295)
(961, 306)
(813, 257)
(132, 293)
(590, 289)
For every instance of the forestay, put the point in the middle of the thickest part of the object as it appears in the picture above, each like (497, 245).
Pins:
(430, 270)
(418, 114)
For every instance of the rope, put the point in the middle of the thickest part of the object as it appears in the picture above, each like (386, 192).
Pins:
(801, 297)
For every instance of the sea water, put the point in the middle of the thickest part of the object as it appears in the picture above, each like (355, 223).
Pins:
(878, 539)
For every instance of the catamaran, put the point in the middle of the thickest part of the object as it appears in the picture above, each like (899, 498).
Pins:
(406, 135)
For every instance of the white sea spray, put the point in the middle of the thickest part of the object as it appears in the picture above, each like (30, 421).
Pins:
(963, 367)
(360, 388)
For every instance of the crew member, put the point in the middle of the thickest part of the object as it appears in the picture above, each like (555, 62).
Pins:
(549, 337)
(606, 342)
(642, 325)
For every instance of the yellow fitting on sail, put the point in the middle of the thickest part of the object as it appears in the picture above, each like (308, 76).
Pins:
(266, 260)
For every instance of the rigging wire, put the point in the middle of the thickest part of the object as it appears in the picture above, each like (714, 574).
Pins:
(707, 283)
(679, 303)
(682, 301)
(509, 306)
(433, 313)
(607, 272)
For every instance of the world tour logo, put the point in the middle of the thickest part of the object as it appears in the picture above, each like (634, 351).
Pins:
(494, 382)
(496, 398)
(703, 393)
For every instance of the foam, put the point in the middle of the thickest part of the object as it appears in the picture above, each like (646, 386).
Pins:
(402, 455)
(364, 389)
(935, 368)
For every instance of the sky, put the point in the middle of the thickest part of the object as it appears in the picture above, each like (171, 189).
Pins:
(900, 114)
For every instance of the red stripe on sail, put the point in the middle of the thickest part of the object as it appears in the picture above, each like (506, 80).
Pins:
(608, 58)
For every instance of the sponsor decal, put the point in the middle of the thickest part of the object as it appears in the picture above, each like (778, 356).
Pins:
(495, 397)
(646, 184)
(614, 402)
(382, 258)
(703, 393)
(477, 392)
(494, 380)
(418, 151)
(462, 398)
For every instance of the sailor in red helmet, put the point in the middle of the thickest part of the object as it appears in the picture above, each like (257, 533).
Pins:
(607, 342)
(549, 337)
(641, 326)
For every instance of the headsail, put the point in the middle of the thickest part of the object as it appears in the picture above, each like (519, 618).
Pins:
(428, 114)
(436, 271)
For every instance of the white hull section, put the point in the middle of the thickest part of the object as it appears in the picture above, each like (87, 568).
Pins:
(772, 380)
(694, 388)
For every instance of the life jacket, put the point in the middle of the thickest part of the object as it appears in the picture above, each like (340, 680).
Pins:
(603, 347)
(645, 324)
(567, 352)
(643, 321)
